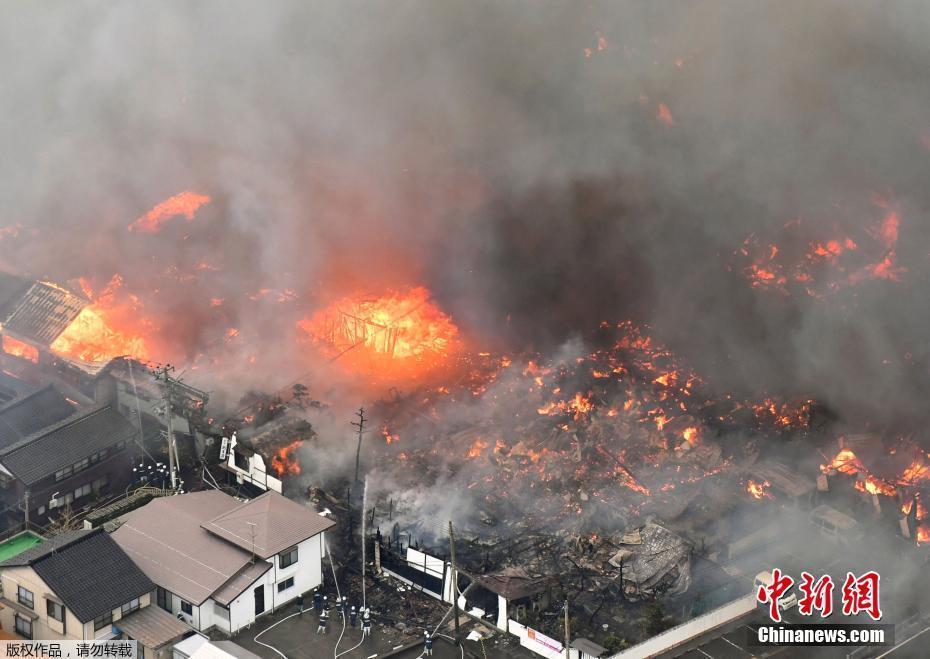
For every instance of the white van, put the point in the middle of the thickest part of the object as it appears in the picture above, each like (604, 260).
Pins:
(766, 579)
(835, 525)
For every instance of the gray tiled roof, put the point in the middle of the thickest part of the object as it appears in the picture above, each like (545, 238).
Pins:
(47, 546)
(30, 413)
(268, 524)
(87, 570)
(43, 453)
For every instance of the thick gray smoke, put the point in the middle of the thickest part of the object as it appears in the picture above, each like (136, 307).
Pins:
(539, 167)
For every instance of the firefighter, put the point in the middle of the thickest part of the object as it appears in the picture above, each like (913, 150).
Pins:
(428, 645)
(353, 617)
(324, 616)
(317, 601)
(366, 623)
(345, 606)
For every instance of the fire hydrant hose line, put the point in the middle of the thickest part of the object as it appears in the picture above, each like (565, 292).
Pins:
(338, 599)
(270, 627)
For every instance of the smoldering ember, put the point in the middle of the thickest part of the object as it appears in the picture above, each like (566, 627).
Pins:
(465, 329)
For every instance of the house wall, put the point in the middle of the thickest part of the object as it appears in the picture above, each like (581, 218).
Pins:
(43, 627)
(107, 631)
(242, 609)
(307, 573)
(115, 467)
(198, 616)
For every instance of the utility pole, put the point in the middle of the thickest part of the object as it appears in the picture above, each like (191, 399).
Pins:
(163, 374)
(364, 539)
(567, 632)
(455, 583)
(360, 424)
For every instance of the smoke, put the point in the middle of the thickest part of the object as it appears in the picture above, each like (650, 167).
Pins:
(539, 170)
(540, 167)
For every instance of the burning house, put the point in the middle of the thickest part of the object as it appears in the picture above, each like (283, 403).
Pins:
(33, 314)
(631, 293)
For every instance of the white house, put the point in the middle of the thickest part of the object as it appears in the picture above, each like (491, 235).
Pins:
(221, 562)
(247, 466)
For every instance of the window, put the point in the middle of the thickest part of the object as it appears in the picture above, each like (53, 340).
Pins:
(129, 606)
(62, 474)
(187, 608)
(61, 501)
(103, 621)
(284, 585)
(40, 511)
(23, 627)
(99, 484)
(55, 610)
(82, 491)
(220, 611)
(81, 465)
(287, 557)
(163, 598)
(25, 597)
(241, 461)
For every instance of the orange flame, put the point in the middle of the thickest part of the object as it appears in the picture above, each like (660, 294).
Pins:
(477, 448)
(186, 203)
(284, 462)
(758, 490)
(396, 333)
(103, 330)
(18, 348)
(665, 115)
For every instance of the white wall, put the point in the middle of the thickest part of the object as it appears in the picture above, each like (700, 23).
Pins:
(307, 573)
(684, 632)
(242, 609)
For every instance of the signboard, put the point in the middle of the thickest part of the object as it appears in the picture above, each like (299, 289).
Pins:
(538, 637)
(224, 446)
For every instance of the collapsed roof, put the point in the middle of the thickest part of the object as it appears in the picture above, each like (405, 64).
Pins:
(653, 561)
(36, 311)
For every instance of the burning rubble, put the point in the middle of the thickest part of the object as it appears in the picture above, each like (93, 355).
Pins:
(613, 432)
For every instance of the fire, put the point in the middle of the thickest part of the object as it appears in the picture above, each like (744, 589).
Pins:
(90, 338)
(284, 462)
(758, 490)
(874, 485)
(664, 115)
(19, 348)
(185, 203)
(396, 333)
(477, 448)
(104, 329)
(845, 462)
